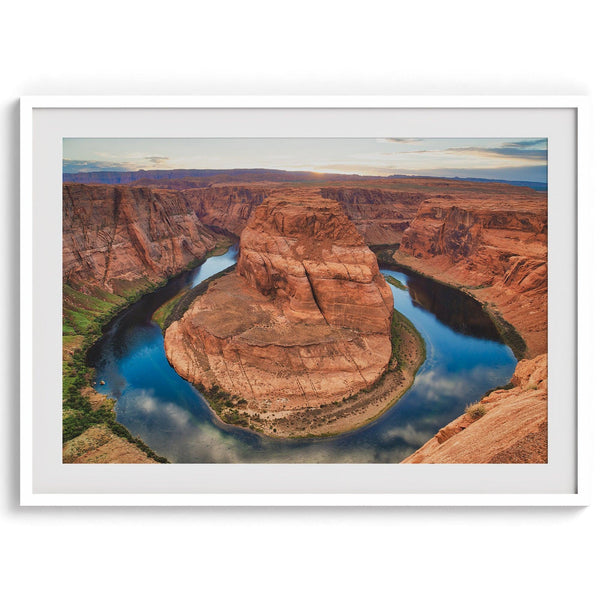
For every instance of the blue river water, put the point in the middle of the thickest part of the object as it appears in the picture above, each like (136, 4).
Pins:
(465, 358)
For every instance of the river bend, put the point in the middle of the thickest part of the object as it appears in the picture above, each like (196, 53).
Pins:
(465, 358)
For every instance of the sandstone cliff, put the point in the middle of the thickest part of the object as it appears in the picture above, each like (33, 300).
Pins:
(494, 248)
(380, 215)
(115, 234)
(118, 242)
(513, 428)
(225, 208)
(473, 234)
(305, 320)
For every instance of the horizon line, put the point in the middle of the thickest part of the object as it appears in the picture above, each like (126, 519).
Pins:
(311, 172)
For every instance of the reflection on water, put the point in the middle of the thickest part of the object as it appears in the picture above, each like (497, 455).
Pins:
(465, 358)
(453, 308)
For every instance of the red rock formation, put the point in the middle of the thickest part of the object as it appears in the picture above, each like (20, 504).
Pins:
(305, 320)
(488, 238)
(513, 428)
(380, 215)
(479, 236)
(226, 208)
(119, 233)
(304, 250)
(494, 247)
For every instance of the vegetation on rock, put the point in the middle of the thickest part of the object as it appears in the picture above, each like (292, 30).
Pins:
(84, 316)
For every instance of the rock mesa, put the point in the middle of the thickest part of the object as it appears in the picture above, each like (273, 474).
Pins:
(303, 322)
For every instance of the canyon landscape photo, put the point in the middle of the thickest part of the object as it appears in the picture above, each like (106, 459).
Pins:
(305, 300)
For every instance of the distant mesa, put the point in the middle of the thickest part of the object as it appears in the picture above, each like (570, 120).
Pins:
(201, 177)
(186, 178)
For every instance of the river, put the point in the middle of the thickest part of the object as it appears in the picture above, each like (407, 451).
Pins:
(465, 358)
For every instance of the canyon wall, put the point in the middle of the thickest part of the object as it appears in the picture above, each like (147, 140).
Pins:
(116, 234)
(482, 240)
(493, 248)
(488, 239)
(381, 216)
(304, 250)
(225, 208)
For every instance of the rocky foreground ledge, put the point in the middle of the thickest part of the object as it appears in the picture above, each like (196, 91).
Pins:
(507, 426)
(293, 341)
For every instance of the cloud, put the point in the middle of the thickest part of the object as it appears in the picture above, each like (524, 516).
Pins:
(522, 151)
(133, 164)
(527, 143)
(504, 151)
(436, 384)
(147, 404)
(534, 173)
(401, 140)
(408, 434)
(156, 160)
(78, 166)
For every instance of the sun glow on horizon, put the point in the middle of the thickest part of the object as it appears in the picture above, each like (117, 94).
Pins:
(502, 158)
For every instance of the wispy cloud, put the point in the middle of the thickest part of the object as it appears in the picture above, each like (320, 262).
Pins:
(157, 160)
(131, 164)
(363, 156)
(407, 434)
(77, 166)
(505, 151)
(400, 140)
(542, 142)
(522, 150)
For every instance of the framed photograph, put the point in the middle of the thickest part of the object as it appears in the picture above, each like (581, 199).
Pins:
(304, 301)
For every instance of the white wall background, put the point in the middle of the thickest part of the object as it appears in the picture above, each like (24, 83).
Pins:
(262, 47)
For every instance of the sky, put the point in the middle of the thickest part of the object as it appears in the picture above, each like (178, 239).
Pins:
(523, 159)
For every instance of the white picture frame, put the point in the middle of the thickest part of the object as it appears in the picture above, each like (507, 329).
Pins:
(41, 485)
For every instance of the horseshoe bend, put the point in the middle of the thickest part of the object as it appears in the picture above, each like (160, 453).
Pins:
(301, 338)
(297, 338)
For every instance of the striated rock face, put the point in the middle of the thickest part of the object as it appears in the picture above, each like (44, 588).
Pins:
(480, 235)
(226, 208)
(303, 250)
(304, 321)
(513, 428)
(381, 216)
(495, 247)
(113, 234)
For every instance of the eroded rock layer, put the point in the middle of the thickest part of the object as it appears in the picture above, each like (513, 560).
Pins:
(381, 216)
(304, 321)
(115, 234)
(497, 249)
